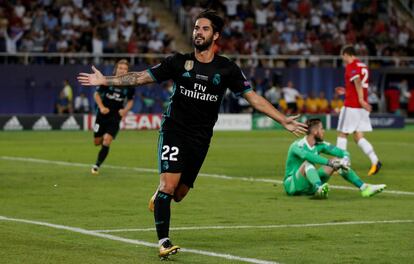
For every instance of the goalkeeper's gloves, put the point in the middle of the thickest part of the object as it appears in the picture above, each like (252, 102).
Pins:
(345, 163)
(336, 164)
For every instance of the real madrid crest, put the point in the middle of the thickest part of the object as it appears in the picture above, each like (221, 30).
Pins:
(189, 65)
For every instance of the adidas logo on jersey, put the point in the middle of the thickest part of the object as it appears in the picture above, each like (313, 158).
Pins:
(13, 124)
(42, 124)
(187, 74)
(70, 124)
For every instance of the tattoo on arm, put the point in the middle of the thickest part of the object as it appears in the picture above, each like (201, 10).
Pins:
(129, 79)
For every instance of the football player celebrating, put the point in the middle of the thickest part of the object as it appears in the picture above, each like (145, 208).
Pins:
(110, 101)
(201, 79)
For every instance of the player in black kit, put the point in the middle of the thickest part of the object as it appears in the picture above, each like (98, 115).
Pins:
(200, 81)
(110, 101)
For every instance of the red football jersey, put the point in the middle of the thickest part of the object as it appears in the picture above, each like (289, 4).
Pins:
(355, 70)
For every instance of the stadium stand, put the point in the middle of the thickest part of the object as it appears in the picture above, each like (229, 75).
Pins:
(82, 26)
(304, 27)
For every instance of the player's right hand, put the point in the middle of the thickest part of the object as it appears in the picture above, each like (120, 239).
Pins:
(95, 78)
(295, 127)
(104, 110)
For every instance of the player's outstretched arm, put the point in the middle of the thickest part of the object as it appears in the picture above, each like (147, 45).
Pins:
(128, 79)
(261, 104)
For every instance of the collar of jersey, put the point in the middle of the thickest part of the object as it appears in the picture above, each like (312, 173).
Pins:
(307, 143)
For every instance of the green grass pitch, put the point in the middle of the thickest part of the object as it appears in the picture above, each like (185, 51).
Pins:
(37, 188)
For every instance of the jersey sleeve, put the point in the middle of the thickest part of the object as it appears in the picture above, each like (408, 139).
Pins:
(309, 156)
(164, 70)
(354, 72)
(332, 150)
(130, 94)
(238, 82)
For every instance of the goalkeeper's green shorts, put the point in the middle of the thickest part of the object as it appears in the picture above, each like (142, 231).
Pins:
(297, 184)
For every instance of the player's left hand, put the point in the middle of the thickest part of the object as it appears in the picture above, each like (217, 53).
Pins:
(123, 112)
(295, 127)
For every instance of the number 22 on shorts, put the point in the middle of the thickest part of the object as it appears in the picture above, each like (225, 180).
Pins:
(169, 153)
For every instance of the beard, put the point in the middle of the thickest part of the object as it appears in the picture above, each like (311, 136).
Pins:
(204, 45)
(318, 139)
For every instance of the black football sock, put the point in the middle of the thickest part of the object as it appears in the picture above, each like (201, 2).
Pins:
(102, 155)
(162, 214)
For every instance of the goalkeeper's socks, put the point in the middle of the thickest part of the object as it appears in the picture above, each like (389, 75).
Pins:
(162, 214)
(102, 155)
(351, 177)
(313, 177)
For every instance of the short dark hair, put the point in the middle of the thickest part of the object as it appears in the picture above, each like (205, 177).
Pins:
(349, 50)
(311, 123)
(217, 21)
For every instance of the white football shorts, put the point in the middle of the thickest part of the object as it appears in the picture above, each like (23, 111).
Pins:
(354, 119)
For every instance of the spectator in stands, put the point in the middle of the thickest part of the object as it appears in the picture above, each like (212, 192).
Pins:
(231, 7)
(11, 40)
(82, 105)
(50, 22)
(300, 102)
(311, 103)
(404, 95)
(373, 98)
(63, 105)
(273, 95)
(67, 92)
(322, 103)
(290, 94)
(336, 103)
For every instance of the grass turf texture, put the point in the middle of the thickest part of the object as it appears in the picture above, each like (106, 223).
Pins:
(117, 199)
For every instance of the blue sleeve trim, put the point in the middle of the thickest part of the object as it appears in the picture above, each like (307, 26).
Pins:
(152, 76)
(245, 91)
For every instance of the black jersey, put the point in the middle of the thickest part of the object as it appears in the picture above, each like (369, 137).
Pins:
(114, 97)
(198, 91)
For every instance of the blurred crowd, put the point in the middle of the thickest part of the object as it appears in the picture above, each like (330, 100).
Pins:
(105, 26)
(253, 27)
(305, 27)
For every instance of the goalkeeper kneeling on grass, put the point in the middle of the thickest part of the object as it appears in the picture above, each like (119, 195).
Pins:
(303, 178)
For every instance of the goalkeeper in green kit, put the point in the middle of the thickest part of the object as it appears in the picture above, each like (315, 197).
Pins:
(303, 178)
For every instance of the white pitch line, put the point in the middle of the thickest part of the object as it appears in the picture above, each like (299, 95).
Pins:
(258, 227)
(217, 176)
(134, 241)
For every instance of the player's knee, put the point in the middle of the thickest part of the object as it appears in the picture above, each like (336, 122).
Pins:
(167, 188)
(357, 137)
(107, 141)
(309, 166)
